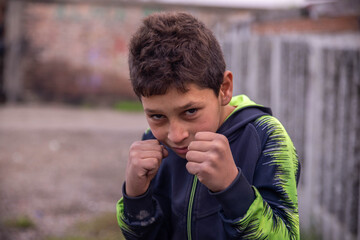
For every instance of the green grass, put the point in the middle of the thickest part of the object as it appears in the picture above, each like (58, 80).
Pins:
(102, 227)
(20, 222)
(129, 106)
(67, 238)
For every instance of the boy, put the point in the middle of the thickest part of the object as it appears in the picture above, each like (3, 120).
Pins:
(211, 166)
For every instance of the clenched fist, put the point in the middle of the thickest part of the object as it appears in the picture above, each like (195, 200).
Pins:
(210, 159)
(144, 161)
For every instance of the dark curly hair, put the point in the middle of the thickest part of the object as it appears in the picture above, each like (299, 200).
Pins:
(173, 50)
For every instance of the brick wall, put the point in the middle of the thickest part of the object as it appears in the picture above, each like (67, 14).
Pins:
(78, 52)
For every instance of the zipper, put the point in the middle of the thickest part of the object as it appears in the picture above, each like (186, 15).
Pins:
(191, 202)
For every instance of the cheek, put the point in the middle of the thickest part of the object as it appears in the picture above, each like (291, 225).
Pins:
(210, 119)
(158, 132)
(206, 124)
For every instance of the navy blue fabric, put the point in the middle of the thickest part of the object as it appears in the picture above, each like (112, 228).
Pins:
(168, 197)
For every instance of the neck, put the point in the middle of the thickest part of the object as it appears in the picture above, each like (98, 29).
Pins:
(227, 110)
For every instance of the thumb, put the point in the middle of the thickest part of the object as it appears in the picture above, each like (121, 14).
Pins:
(164, 152)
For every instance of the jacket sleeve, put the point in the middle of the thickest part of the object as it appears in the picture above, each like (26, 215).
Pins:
(141, 217)
(273, 210)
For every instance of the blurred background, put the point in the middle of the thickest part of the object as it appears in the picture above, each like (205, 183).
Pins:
(68, 114)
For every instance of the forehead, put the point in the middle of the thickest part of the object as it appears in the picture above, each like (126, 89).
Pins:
(175, 99)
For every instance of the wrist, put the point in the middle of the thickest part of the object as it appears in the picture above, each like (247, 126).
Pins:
(132, 192)
(136, 207)
(231, 178)
(228, 180)
(239, 191)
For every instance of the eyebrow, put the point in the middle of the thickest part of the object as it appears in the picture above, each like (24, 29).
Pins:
(187, 106)
(184, 107)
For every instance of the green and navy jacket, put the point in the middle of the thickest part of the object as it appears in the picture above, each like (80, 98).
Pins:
(261, 203)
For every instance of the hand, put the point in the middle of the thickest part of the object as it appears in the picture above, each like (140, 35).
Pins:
(210, 159)
(144, 161)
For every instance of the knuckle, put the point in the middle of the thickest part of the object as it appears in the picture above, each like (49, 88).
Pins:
(189, 167)
(139, 174)
(220, 138)
(202, 169)
(156, 147)
(214, 147)
(133, 154)
(154, 162)
(135, 145)
(158, 156)
(220, 142)
(189, 155)
(212, 155)
(198, 134)
(208, 165)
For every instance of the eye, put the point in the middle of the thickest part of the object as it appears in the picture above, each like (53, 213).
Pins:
(191, 111)
(157, 116)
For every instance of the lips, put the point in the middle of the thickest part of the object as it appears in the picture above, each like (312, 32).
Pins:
(181, 150)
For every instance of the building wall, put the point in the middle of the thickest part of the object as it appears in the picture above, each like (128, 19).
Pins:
(78, 52)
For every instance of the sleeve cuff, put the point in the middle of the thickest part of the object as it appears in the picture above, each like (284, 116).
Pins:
(138, 208)
(237, 198)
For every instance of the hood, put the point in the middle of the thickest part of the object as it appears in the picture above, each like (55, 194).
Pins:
(246, 111)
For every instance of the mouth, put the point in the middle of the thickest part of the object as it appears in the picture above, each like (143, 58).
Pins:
(180, 150)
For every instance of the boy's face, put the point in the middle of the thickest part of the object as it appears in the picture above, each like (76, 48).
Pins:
(175, 117)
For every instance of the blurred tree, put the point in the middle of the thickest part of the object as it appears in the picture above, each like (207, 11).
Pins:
(13, 43)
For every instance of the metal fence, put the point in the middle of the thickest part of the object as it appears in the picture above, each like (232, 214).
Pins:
(312, 83)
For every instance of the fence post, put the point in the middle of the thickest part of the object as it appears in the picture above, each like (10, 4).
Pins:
(275, 76)
(252, 80)
(314, 106)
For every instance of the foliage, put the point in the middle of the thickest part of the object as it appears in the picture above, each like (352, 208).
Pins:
(129, 106)
(102, 227)
(20, 222)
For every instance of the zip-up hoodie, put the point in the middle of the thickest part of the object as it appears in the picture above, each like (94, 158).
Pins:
(261, 203)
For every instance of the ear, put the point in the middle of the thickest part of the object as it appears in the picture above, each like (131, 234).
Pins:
(226, 88)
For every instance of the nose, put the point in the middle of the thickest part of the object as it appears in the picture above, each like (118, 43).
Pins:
(177, 132)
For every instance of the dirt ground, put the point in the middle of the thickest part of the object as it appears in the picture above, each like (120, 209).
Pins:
(59, 165)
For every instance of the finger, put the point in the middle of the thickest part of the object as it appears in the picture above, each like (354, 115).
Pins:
(147, 145)
(164, 152)
(201, 146)
(151, 164)
(137, 157)
(216, 139)
(205, 136)
(151, 143)
(197, 157)
(151, 154)
(148, 168)
(193, 168)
